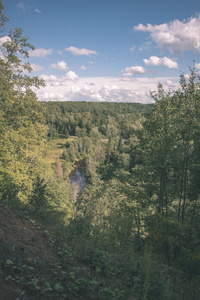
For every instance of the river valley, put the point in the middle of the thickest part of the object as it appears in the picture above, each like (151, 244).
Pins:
(77, 176)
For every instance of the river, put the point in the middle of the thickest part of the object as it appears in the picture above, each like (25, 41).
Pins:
(77, 176)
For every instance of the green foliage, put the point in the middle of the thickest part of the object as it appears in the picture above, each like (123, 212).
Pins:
(137, 219)
(85, 118)
(169, 141)
(135, 227)
(21, 116)
(38, 197)
(99, 261)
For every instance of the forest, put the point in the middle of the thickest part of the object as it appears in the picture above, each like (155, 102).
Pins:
(134, 231)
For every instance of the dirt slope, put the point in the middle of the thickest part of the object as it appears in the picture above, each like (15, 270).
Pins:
(29, 268)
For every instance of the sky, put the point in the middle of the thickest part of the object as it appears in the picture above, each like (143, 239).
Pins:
(108, 50)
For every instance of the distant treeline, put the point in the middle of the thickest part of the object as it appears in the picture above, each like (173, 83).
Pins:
(78, 118)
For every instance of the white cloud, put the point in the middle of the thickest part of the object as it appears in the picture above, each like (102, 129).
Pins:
(80, 51)
(40, 52)
(90, 62)
(170, 84)
(83, 68)
(91, 83)
(61, 65)
(175, 36)
(71, 76)
(3, 51)
(21, 6)
(187, 76)
(51, 96)
(133, 48)
(127, 79)
(38, 11)
(197, 66)
(102, 89)
(146, 46)
(131, 71)
(59, 52)
(60, 82)
(157, 61)
(105, 93)
(36, 68)
(50, 79)
(4, 39)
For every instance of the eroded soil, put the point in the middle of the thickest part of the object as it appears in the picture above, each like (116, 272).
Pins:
(30, 267)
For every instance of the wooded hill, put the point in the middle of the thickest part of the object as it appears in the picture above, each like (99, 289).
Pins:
(78, 118)
(134, 232)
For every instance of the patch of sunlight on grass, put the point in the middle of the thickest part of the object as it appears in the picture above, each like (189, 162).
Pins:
(52, 150)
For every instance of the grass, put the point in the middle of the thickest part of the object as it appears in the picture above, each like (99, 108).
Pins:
(52, 150)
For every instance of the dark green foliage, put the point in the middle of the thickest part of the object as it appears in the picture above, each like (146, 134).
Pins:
(79, 118)
(9, 192)
(38, 197)
(99, 261)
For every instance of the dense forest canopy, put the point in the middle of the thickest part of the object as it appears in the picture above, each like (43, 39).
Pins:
(134, 232)
(76, 118)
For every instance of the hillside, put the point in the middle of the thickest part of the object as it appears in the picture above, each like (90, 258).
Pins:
(25, 258)
(30, 264)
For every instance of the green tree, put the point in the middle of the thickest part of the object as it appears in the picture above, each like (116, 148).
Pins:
(21, 115)
(187, 101)
(38, 197)
(170, 172)
(170, 139)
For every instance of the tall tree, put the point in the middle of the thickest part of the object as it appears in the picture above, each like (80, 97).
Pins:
(156, 141)
(170, 142)
(21, 115)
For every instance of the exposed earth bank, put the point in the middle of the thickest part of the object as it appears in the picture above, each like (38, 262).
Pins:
(30, 264)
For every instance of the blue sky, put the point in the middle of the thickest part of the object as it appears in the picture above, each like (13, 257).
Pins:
(108, 50)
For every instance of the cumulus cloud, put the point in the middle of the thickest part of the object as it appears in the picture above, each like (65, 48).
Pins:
(51, 96)
(36, 68)
(40, 52)
(103, 94)
(175, 36)
(197, 66)
(80, 51)
(170, 85)
(71, 76)
(131, 71)
(91, 83)
(127, 79)
(109, 89)
(83, 68)
(157, 61)
(3, 51)
(61, 82)
(187, 76)
(49, 78)
(4, 39)
(101, 89)
(61, 65)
